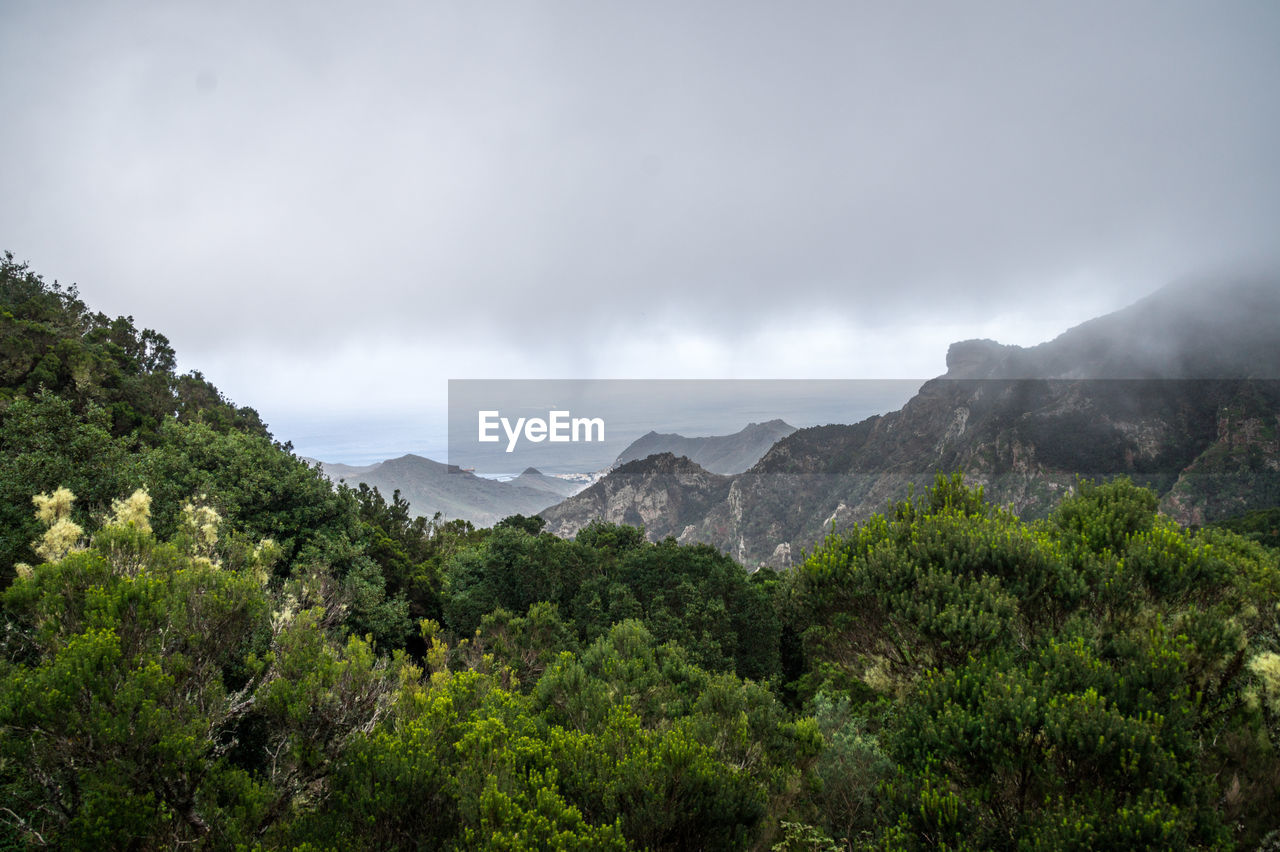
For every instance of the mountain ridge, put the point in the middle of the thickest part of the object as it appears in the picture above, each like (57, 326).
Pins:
(431, 486)
(1178, 391)
(721, 454)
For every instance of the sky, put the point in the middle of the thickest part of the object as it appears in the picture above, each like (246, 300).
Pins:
(332, 209)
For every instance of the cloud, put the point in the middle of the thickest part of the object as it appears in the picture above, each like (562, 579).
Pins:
(630, 180)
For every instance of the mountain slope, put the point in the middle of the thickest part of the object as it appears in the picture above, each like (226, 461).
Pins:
(1180, 391)
(723, 454)
(432, 487)
(663, 493)
(554, 485)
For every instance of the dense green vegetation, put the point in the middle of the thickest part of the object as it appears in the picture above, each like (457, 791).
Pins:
(205, 643)
(1262, 526)
(1102, 679)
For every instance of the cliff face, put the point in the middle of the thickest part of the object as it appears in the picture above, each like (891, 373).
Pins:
(1239, 470)
(1180, 392)
(663, 493)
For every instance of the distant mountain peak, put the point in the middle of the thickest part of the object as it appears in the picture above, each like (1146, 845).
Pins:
(970, 358)
(721, 454)
(432, 486)
(410, 457)
(534, 478)
(662, 463)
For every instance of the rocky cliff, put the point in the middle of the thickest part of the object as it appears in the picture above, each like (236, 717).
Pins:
(1180, 392)
(668, 495)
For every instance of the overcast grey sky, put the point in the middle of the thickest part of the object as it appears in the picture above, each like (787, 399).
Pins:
(331, 209)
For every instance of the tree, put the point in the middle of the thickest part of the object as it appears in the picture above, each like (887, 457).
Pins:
(130, 669)
(512, 570)
(1083, 682)
(44, 445)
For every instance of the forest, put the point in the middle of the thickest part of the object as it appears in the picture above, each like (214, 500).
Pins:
(206, 644)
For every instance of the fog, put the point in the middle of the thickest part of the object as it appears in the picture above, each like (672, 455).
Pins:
(333, 209)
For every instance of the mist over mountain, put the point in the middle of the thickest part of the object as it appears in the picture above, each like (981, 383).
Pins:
(722, 454)
(431, 487)
(1188, 330)
(1179, 391)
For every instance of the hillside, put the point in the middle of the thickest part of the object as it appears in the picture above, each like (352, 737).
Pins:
(1180, 391)
(722, 454)
(539, 481)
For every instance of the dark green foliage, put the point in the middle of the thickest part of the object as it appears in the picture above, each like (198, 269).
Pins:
(151, 696)
(612, 538)
(1076, 684)
(700, 598)
(1262, 526)
(1068, 737)
(1102, 518)
(49, 339)
(44, 445)
(678, 797)
(847, 775)
(693, 595)
(269, 493)
(198, 401)
(411, 551)
(945, 579)
(80, 393)
(524, 645)
(532, 525)
(115, 703)
(629, 747)
(512, 570)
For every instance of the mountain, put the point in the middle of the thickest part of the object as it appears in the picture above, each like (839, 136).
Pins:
(432, 487)
(337, 471)
(1180, 391)
(724, 454)
(536, 479)
(663, 493)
